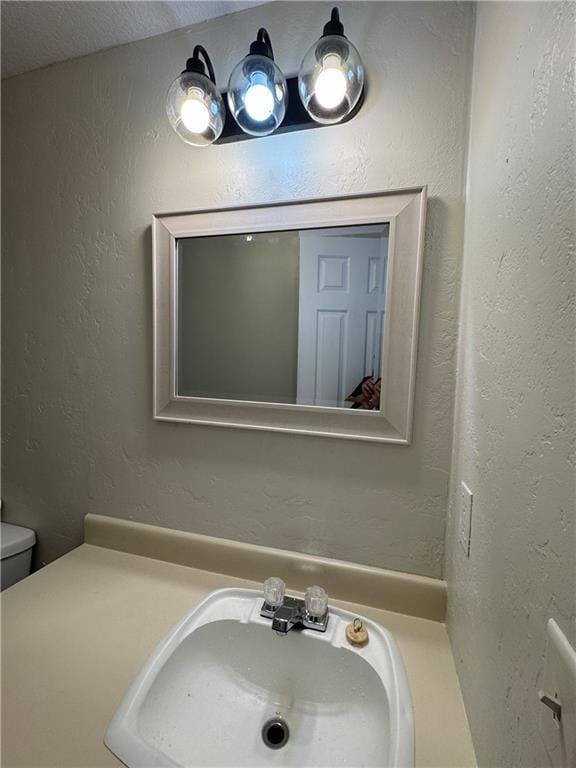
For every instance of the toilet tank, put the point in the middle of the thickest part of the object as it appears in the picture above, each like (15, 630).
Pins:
(16, 545)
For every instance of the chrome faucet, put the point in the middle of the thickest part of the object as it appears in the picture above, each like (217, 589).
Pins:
(288, 612)
(288, 615)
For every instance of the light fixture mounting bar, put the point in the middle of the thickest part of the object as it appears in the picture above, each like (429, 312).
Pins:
(296, 118)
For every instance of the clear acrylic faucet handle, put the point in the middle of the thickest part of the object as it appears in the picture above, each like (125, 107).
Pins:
(274, 589)
(316, 601)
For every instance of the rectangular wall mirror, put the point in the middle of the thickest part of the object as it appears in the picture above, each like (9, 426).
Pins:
(299, 317)
(283, 317)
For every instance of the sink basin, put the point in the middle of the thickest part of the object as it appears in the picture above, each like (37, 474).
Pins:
(224, 689)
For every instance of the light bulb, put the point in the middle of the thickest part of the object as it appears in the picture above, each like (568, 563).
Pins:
(331, 84)
(259, 102)
(257, 89)
(331, 76)
(193, 103)
(195, 114)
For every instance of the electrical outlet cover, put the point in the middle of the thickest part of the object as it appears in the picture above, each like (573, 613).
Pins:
(559, 680)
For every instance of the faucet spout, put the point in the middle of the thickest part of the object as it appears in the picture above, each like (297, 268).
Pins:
(287, 616)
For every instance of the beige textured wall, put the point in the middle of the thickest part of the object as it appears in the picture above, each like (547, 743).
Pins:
(239, 317)
(515, 410)
(88, 158)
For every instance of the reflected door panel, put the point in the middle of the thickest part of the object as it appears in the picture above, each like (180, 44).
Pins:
(341, 312)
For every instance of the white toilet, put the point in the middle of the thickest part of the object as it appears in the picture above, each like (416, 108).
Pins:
(16, 545)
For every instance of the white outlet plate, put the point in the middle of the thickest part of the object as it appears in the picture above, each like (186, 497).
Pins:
(559, 680)
(465, 518)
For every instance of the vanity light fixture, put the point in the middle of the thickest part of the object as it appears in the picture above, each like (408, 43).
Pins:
(260, 100)
(194, 105)
(331, 77)
(257, 90)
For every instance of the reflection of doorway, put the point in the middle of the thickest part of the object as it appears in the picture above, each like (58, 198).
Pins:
(341, 312)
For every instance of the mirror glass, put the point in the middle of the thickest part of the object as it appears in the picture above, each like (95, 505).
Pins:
(292, 317)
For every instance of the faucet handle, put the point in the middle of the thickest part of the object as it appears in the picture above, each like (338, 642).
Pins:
(316, 601)
(274, 589)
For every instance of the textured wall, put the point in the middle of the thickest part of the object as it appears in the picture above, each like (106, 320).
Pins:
(515, 408)
(88, 158)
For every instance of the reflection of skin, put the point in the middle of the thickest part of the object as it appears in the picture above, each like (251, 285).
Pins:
(368, 399)
(371, 392)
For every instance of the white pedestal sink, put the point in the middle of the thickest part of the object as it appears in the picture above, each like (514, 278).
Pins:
(208, 690)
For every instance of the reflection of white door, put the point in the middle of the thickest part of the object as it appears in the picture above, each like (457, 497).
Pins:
(341, 312)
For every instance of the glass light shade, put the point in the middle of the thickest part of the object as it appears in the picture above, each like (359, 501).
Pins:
(257, 95)
(331, 79)
(195, 109)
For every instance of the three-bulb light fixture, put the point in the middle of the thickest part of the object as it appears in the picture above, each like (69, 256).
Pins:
(260, 100)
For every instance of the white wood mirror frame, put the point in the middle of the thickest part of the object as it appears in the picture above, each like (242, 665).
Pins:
(405, 212)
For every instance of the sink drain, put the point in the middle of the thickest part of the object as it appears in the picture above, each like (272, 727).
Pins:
(275, 733)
